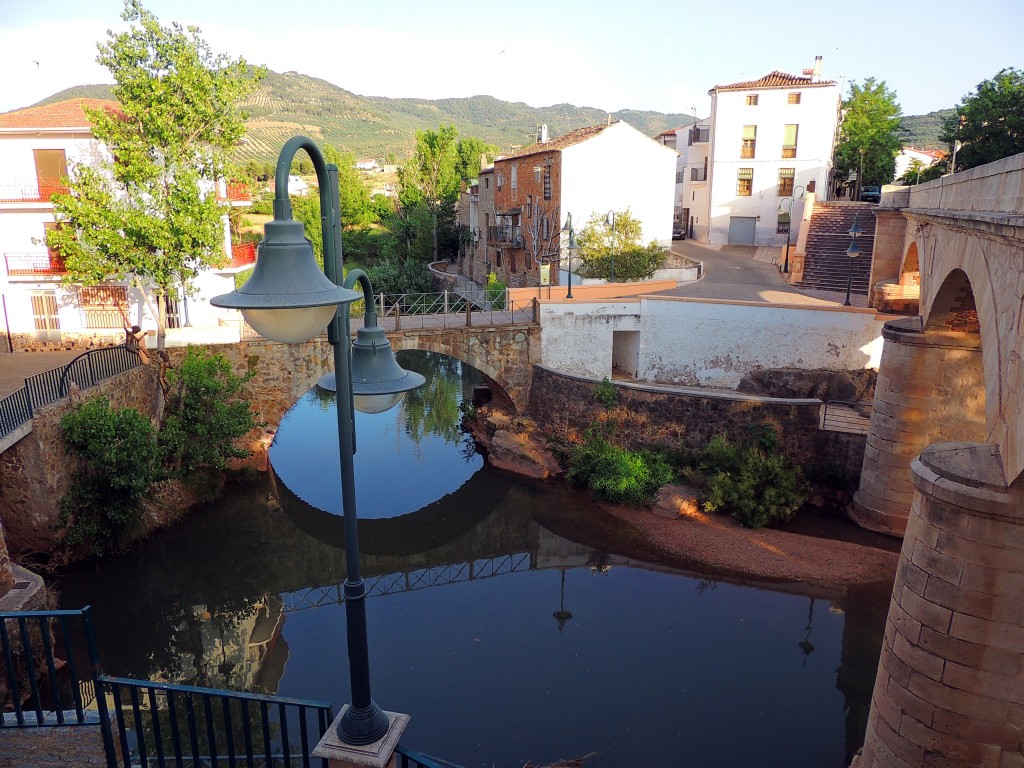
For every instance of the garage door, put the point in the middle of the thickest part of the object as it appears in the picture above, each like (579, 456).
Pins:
(741, 230)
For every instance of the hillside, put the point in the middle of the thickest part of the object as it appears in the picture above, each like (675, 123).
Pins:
(922, 131)
(370, 126)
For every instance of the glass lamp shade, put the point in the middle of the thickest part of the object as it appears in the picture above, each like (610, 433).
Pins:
(853, 251)
(376, 403)
(288, 298)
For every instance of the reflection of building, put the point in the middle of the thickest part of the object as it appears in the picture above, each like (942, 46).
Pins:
(240, 651)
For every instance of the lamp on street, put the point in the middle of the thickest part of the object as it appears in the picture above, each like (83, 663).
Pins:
(570, 249)
(787, 211)
(609, 220)
(289, 299)
(853, 252)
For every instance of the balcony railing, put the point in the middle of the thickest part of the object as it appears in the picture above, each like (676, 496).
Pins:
(242, 254)
(699, 135)
(32, 264)
(789, 151)
(235, 192)
(31, 190)
(698, 174)
(507, 235)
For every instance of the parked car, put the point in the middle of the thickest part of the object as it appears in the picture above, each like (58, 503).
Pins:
(678, 233)
(871, 194)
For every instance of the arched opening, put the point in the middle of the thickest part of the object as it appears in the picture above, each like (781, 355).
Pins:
(953, 308)
(910, 271)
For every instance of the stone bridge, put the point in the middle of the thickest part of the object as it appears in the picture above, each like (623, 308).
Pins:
(944, 465)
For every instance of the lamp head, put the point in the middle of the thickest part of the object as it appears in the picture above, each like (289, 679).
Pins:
(378, 381)
(855, 230)
(853, 251)
(288, 298)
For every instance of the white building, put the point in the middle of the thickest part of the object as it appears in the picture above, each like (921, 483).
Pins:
(907, 155)
(38, 146)
(768, 140)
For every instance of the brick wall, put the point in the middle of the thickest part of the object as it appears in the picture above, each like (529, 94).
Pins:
(651, 418)
(950, 685)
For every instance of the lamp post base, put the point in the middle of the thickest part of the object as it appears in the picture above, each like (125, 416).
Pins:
(376, 754)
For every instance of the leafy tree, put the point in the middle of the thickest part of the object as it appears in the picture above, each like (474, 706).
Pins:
(918, 173)
(870, 133)
(469, 152)
(600, 244)
(147, 214)
(988, 122)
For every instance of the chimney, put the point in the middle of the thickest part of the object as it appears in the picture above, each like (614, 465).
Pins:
(816, 76)
(542, 134)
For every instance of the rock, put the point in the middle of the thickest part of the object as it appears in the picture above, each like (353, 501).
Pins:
(675, 500)
(848, 386)
(520, 452)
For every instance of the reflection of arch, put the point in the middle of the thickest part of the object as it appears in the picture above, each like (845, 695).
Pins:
(910, 271)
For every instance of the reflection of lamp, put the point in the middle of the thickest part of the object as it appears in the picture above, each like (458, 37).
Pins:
(570, 249)
(609, 221)
(562, 616)
(853, 252)
(806, 645)
(788, 212)
(289, 299)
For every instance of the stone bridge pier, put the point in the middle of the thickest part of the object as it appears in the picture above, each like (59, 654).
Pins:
(944, 467)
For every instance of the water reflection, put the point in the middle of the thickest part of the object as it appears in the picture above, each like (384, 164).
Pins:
(512, 619)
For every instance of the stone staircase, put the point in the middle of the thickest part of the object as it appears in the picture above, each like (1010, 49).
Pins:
(826, 265)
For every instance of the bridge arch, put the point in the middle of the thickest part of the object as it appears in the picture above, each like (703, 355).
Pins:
(910, 269)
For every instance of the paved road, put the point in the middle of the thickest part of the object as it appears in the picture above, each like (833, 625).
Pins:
(15, 367)
(735, 273)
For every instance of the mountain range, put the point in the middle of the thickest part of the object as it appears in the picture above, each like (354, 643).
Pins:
(384, 128)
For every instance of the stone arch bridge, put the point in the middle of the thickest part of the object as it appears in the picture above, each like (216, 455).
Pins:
(944, 467)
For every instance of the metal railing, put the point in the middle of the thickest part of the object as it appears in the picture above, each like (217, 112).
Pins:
(452, 309)
(37, 263)
(406, 758)
(86, 370)
(507, 234)
(156, 723)
(698, 174)
(31, 190)
(842, 416)
(45, 680)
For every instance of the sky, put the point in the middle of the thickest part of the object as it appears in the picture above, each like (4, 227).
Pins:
(638, 54)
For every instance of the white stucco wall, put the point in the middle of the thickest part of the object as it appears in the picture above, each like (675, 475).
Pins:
(621, 168)
(577, 338)
(816, 116)
(714, 344)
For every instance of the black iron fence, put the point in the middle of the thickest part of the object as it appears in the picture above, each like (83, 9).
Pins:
(86, 370)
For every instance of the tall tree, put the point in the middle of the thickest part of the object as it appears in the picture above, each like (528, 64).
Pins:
(148, 213)
(989, 122)
(870, 133)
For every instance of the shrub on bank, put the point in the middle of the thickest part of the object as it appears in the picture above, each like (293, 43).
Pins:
(615, 474)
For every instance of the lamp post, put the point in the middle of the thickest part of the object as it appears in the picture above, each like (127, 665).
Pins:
(289, 299)
(853, 252)
(476, 242)
(570, 249)
(609, 220)
(783, 210)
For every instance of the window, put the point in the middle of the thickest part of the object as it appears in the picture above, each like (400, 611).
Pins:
(487, 182)
(679, 177)
(515, 176)
(794, 98)
(44, 315)
(699, 135)
(547, 182)
(501, 179)
(104, 306)
(537, 170)
(744, 182)
(749, 141)
(751, 99)
(782, 227)
(789, 141)
(529, 206)
(51, 171)
(786, 176)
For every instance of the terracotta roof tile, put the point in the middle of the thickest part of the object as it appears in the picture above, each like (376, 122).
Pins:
(566, 140)
(775, 79)
(62, 114)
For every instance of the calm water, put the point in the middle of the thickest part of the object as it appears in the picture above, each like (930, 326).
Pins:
(504, 640)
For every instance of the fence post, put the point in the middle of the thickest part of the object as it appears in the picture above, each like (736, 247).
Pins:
(446, 301)
(106, 728)
(536, 311)
(28, 399)
(469, 312)
(398, 315)
(92, 372)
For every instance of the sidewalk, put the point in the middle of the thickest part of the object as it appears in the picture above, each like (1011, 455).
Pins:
(15, 367)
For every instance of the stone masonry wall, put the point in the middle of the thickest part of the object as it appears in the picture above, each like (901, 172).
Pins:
(887, 253)
(950, 685)
(649, 417)
(6, 574)
(52, 747)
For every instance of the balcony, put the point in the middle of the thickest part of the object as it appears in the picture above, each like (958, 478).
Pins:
(699, 136)
(34, 264)
(234, 192)
(242, 254)
(698, 174)
(31, 190)
(508, 236)
(789, 151)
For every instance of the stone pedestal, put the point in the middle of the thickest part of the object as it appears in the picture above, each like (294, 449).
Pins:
(950, 684)
(930, 389)
(379, 754)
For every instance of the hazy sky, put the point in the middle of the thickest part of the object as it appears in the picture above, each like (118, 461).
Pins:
(639, 54)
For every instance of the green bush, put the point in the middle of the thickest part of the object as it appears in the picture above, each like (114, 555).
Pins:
(495, 291)
(756, 487)
(393, 275)
(615, 474)
(119, 462)
(204, 416)
(606, 394)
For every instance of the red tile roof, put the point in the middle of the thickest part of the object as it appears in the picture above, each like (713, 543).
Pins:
(561, 142)
(62, 114)
(775, 79)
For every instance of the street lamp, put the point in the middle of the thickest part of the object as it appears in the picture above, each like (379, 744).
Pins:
(289, 299)
(853, 252)
(570, 249)
(788, 211)
(609, 221)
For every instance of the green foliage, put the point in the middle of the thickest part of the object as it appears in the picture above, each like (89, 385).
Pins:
(204, 414)
(603, 247)
(469, 152)
(119, 462)
(145, 214)
(870, 131)
(922, 131)
(615, 474)
(495, 291)
(751, 482)
(606, 394)
(395, 275)
(989, 122)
